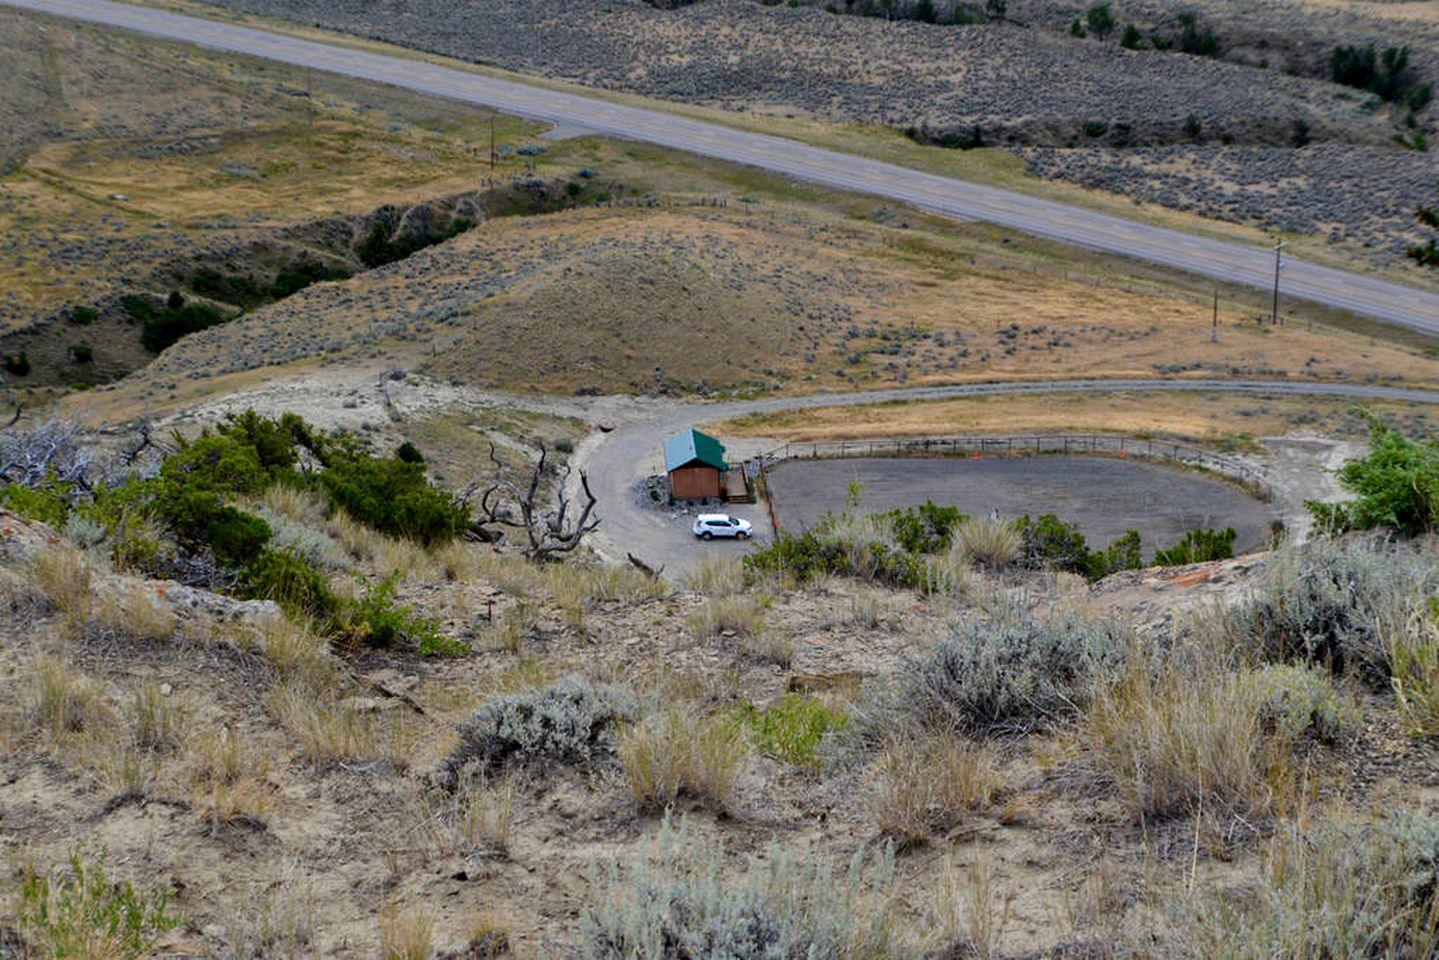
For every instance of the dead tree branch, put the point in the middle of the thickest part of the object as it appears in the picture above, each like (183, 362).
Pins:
(551, 529)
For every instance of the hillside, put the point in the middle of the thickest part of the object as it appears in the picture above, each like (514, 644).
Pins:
(1081, 105)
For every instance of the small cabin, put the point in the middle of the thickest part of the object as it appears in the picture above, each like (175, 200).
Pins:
(696, 466)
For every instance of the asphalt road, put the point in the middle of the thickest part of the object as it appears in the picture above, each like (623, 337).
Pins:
(1233, 262)
(631, 451)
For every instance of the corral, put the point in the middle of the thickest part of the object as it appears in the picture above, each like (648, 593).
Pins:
(1105, 495)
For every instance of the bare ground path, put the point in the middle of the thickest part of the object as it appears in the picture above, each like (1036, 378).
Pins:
(1231, 262)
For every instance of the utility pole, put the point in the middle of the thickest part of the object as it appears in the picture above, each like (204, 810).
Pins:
(1214, 326)
(1274, 315)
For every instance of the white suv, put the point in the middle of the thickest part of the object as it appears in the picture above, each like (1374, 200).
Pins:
(710, 525)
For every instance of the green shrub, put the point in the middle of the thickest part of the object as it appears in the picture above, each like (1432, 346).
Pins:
(1011, 672)
(1198, 546)
(407, 452)
(81, 353)
(1053, 544)
(299, 274)
(1131, 39)
(48, 504)
(792, 727)
(926, 528)
(240, 289)
(1396, 485)
(377, 622)
(160, 328)
(838, 546)
(1297, 700)
(83, 913)
(17, 364)
(294, 585)
(394, 497)
(84, 316)
(679, 901)
(1099, 20)
(570, 723)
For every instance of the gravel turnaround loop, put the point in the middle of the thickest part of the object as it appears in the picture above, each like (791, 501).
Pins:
(615, 461)
(1231, 262)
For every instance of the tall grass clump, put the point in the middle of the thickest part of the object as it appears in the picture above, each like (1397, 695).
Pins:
(407, 934)
(993, 544)
(715, 576)
(1174, 741)
(930, 782)
(1011, 672)
(674, 754)
(1338, 605)
(741, 615)
(569, 723)
(1414, 657)
(678, 900)
(1333, 891)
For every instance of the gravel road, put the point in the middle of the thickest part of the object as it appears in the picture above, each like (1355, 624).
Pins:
(1230, 262)
(617, 460)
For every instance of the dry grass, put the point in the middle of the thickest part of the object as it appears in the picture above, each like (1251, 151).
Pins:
(1180, 740)
(770, 646)
(62, 577)
(277, 921)
(931, 782)
(742, 616)
(972, 914)
(62, 700)
(576, 589)
(1201, 416)
(407, 934)
(327, 731)
(382, 553)
(715, 576)
(156, 720)
(300, 655)
(993, 544)
(478, 818)
(130, 612)
(675, 753)
(229, 779)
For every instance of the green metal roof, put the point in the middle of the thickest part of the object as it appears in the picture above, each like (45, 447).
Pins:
(685, 448)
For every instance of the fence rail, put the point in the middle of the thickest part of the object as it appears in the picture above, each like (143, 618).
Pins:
(1027, 444)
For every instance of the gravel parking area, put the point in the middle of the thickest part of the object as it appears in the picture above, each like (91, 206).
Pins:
(1105, 495)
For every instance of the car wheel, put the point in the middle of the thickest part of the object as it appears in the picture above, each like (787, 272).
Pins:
(707, 536)
(741, 536)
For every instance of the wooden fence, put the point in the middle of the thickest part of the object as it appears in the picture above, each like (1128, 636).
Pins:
(1029, 445)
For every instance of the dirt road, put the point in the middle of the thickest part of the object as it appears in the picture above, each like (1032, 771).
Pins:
(617, 460)
(1232, 262)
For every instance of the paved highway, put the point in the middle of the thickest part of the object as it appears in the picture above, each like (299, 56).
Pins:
(1233, 262)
